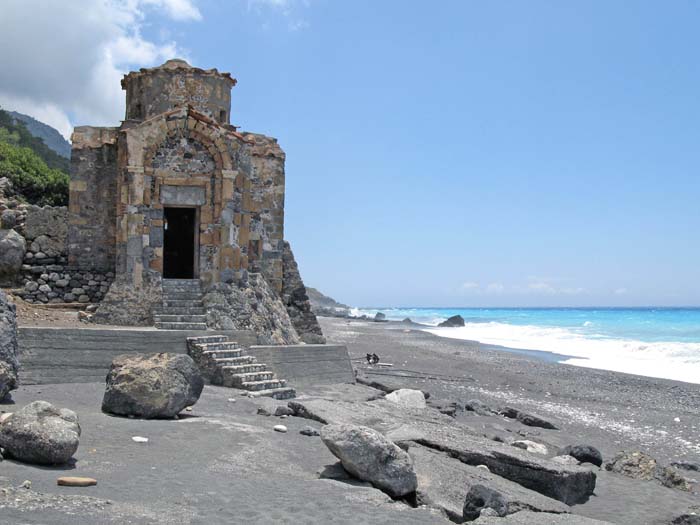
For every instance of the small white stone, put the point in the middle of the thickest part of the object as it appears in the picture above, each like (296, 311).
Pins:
(484, 467)
(231, 400)
(677, 419)
(140, 439)
(280, 428)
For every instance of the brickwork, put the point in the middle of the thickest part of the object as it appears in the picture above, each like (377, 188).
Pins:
(177, 149)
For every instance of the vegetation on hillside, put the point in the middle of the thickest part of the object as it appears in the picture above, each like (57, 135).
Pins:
(38, 174)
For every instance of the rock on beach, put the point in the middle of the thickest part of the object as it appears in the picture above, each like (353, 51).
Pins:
(41, 433)
(152, 386)
(369, 456)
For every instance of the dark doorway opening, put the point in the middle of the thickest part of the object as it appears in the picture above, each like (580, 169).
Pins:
(179, 243)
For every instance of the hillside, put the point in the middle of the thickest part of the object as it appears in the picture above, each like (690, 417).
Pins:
(38, 174)
(51, 137)
(323, 305)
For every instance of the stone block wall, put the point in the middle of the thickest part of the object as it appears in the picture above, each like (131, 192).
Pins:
(93, 200)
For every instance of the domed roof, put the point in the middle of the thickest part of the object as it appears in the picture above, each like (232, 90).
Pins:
(174, 66)
(175, 63)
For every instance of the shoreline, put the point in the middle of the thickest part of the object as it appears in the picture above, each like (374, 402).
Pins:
(612, 410)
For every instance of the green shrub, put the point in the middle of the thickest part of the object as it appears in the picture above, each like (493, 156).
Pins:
(32, 179)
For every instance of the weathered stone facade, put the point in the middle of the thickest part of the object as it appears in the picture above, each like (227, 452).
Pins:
(176, 160)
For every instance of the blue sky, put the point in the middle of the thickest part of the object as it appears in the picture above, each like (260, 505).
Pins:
(462, 153)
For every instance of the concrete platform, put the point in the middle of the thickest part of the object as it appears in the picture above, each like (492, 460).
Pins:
(83, 355)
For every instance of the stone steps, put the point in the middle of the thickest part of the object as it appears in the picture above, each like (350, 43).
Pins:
(169, 318)
(265, 384)
(224, 363)
(179, 310)
(182, 307)
(180, 326)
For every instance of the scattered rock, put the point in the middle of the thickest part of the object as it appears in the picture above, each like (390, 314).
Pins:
(4, 416)
(527, 419)
(445, 406)
(567, 484)
(566, 460)
(638, 465)
(41, 433)
(407, 398)
(463, 491)
(283, 410)
(453, 322)
(152, 386)
(262, 411)
(76, 481)
(379, 317)
(531, 446)
(280, 428)
(584, 454)
(686, 519)
(686, 465)
(369, 456)
(309, 431)
(479, 407)
(140, 439)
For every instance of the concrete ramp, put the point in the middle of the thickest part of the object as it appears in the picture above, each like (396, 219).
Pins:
(307, 365)
(83, 355)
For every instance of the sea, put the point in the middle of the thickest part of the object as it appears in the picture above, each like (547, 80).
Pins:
(654, 342)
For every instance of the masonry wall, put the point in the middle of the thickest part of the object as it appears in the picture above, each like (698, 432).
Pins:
(93, 199)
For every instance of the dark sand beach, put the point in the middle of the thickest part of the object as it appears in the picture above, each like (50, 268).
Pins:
(224, 463)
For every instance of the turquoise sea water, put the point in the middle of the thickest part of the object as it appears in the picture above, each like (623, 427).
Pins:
(657, 342)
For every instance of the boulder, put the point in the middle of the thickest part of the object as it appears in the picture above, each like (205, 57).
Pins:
(479, 407)
(453, 322)
(584, 453)
(566, 460)
(379, 317)
(41, 433)
(152, 386)
(9, 362)
(686, 519)
(407, 397)
(463, 491)
(445, 406)
(538, 518)
(531, 446)
(369, 456)
(428, 427)
(638, 465)
(12, 248)
(527, 419)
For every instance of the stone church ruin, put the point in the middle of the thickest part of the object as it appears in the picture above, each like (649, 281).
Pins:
(176, 218)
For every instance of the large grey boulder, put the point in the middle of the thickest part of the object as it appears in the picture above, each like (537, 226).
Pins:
(152, 386)
(41, 433)
(407, 397)
(584, 454)
(568, 484)
(12, 249)
(638, 465)
(9, 362)
(463, 491)
(50, 246)
(369, 456)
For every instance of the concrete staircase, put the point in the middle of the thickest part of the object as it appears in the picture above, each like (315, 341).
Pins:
(182, 307)
(225, 363)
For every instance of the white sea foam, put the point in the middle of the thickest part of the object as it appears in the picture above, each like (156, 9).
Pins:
(668, 360)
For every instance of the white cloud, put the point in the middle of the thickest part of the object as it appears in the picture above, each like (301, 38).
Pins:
(470, 286)
(289, 9)
(495, 288)
(62, 62)
(620, 291)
